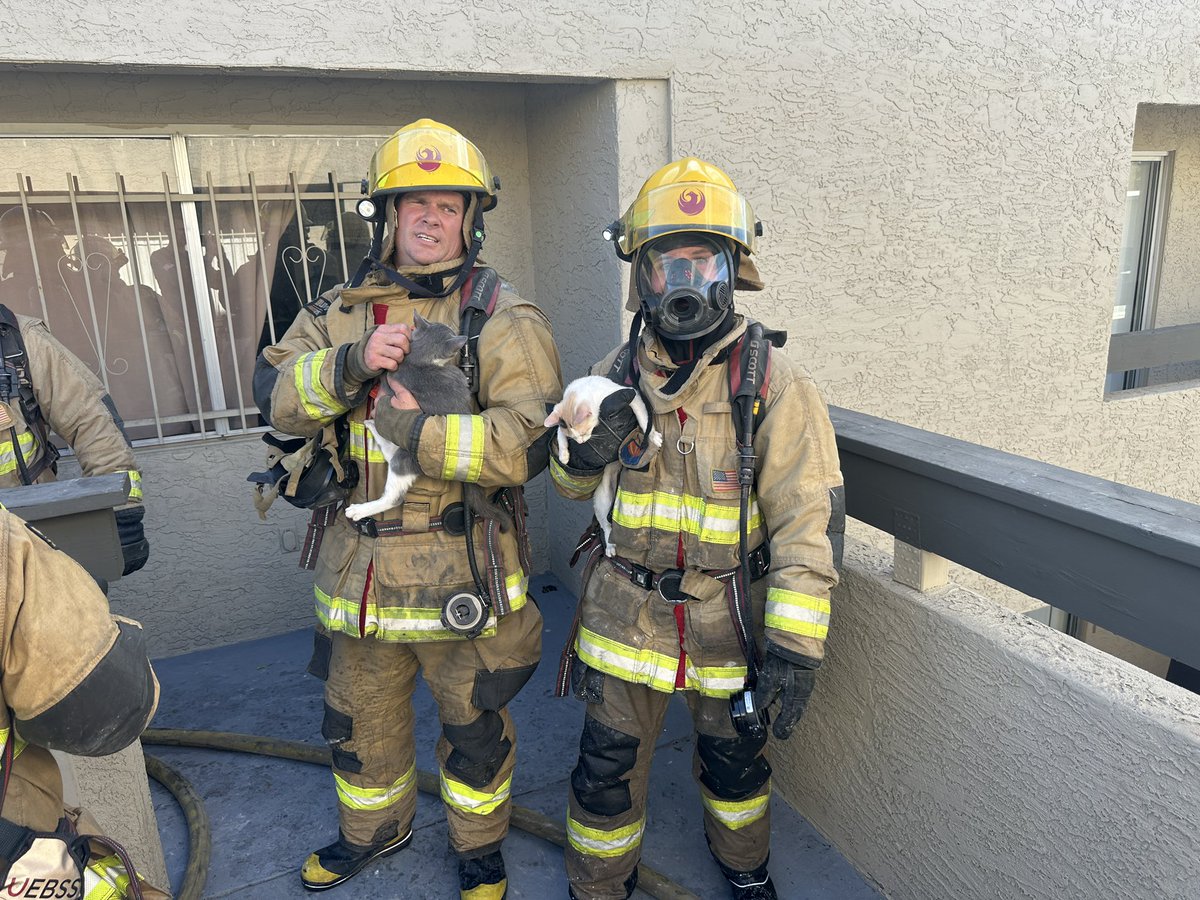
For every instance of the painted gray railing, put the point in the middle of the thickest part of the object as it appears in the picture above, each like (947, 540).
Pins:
(1155, 347)
(1126, 559)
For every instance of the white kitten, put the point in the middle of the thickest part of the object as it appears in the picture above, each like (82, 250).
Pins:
(576, 416)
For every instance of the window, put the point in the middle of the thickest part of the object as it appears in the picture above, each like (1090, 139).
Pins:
(1141, 253)
(165, 263)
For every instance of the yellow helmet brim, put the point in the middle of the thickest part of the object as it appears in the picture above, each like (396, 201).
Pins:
(429, 156)
(688, 206)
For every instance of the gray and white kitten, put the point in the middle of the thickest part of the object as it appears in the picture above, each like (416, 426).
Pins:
(431, 374)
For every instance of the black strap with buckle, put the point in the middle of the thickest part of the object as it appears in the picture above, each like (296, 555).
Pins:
(668, 582)
(376, 528)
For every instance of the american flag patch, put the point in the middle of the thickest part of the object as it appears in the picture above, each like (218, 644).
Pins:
(724, 480)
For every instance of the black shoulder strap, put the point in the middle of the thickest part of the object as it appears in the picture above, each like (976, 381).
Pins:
(480, 292)
(14, 379)
(750, 373)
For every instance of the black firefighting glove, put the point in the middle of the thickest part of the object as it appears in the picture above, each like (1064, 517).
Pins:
(616, 422)
(792, 682)
(134, 546)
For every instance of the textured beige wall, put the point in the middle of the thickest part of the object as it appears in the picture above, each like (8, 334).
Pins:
(942, 192)
(954, 749)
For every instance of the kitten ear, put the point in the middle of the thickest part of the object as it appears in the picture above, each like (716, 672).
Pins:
(554, 418)
(582, 413)
(459, 342)
(419, 321)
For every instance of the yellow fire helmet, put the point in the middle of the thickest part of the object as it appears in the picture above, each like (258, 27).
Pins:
(427, 156)
(687, 195)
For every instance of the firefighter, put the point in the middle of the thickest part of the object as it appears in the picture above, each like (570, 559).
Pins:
(75, 679)
(395, 594)
(45, 387)
(662, 614)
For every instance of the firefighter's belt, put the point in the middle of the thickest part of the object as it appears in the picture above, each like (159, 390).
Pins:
(450, 521)
(670, 583)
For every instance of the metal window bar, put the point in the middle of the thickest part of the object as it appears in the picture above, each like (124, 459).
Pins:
(237, 370)
(37, 266)
(137, 302)
(217, 411)
(262, 254)
(73, 191)
(187, 320)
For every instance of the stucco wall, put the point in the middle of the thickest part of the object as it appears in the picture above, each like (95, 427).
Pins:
(956, 749)
(942, 192)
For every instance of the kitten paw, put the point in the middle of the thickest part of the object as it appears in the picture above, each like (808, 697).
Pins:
(610, 549)
(357, 511)
(655, 437)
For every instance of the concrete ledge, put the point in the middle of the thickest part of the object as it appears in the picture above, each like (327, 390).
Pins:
(956, 749)
(116, 791)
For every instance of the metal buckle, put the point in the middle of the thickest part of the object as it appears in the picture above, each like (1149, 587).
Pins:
(367, 527)
(642, 577)
(668, 586)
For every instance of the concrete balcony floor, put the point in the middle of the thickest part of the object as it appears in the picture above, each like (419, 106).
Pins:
(268, 814)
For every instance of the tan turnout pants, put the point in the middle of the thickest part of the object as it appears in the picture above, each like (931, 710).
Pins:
(606, 812)
(369, 726)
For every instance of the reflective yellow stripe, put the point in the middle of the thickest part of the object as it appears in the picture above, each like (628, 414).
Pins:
(363, 446)
(655, 669)
(464, 448)
(18, 746)
(569, 482)
(318, 403)
(135, 484)
(8, 459)
(624, 662)
(598, 842)
(356, 797)
(713, 523)
(735, 814)
(797, 613)
(401, 623)
(469, 800)
(716, 681)
(105, 879)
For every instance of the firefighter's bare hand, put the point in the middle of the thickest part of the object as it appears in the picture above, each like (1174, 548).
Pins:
(387, 347)
(402, 397)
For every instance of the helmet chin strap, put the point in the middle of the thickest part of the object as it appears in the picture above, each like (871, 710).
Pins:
(422, 285)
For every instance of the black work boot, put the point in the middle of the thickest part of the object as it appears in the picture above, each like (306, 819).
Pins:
(753, 885)
(482, 878)
(341, 861)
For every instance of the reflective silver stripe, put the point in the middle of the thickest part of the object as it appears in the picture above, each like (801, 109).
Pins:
(797, 613)
(356, 797)
(8, 459)
(602, 843)
(316, 400)
(735, 814)
(464, 448)
(479, 803)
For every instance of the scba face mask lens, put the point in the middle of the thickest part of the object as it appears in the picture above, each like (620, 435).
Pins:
(685, 283)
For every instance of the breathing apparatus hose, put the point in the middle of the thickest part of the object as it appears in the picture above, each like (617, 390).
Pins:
(652, 882)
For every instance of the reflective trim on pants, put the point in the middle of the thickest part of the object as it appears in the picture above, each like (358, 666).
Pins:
(601, 843)
(356, 797)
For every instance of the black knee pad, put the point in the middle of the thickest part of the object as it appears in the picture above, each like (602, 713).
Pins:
(337, 727)
(731, 767)
(480, 748)
(605, 755)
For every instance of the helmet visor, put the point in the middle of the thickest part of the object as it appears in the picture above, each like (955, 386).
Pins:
(687, 206)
